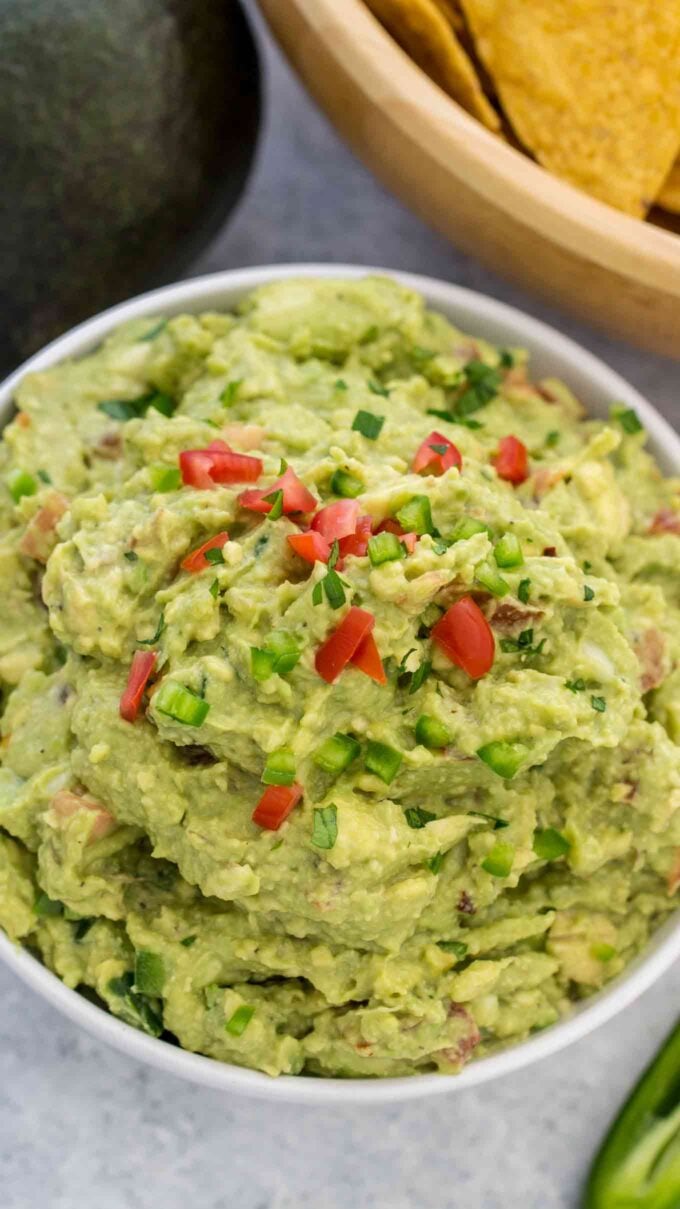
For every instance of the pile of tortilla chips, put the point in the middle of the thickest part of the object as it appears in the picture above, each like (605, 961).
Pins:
(590, 88)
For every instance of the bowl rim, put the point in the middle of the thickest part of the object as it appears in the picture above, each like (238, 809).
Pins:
(590, 377)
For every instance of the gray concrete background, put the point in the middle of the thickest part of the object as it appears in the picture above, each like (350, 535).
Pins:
(82, 1126)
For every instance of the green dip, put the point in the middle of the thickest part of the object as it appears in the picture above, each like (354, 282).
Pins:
(468, 854)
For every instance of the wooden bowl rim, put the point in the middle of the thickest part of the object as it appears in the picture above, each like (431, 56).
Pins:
(390, 80)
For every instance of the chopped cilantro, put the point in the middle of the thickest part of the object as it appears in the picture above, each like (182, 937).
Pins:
(418, 818)
(434, 864)
(599, 704)
(214, 555)
(325, 827)
(159, 630)
(376, 389)
(523, 590)
(214, 589)
(149, 973)
(588, 592)
(368, 424)
(627, 418)
(483, 382)
(275, 498)
(230, 391)
(575, 686)
(457, 947)
(155, 330)
(419, 677)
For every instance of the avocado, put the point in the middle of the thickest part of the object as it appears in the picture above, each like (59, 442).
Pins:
(128, 130)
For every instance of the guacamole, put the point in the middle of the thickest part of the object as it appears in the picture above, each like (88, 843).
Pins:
(340, 687)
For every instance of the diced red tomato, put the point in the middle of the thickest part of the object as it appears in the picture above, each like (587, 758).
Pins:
(336, 652)
(195, 466)
(512, 460)
(337, 520)
(142, 666)
(433, 461)
(196, 561)
(390, 526)
(357, 542)
(275, 805)
(296, 497)
(203, 468)
(409, 540)
(230, 467)
(367, 659)
(466, 638)
(311, 546)
(666, 520)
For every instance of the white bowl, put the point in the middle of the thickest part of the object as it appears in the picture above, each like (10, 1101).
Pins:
(597, 386)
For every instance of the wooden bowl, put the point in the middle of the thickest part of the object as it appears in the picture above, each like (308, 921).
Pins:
(489, 199)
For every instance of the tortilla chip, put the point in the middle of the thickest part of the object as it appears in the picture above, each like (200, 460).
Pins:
(421, 30)
(669, 197)
(451, 11)
(592, 88)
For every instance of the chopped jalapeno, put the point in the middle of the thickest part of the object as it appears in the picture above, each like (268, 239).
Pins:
(415, 516)
(638, 1164)
(20, 483)
(180, 703)
(505, 759)
(280, 768)
(550, 844)
(237, 1024)
(347, 485)
(430, 732)
(165, 478)
(382, 760)
(384, 548)
(603, 952)
(508, 551)
(261, 663)
(487, 575)
(336, 754)
(466, 527)
(499, 860)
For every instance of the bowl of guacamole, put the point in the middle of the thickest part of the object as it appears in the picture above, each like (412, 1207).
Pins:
(339, 679)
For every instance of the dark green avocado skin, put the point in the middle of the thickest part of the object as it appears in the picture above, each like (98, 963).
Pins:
(127, 130)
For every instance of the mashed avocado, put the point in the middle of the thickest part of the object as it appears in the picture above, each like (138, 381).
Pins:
(339, 667)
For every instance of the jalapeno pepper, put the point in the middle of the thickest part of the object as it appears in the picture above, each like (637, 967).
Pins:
(638, 1166)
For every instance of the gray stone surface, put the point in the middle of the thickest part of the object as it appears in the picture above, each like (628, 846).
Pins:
(81, 1126)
